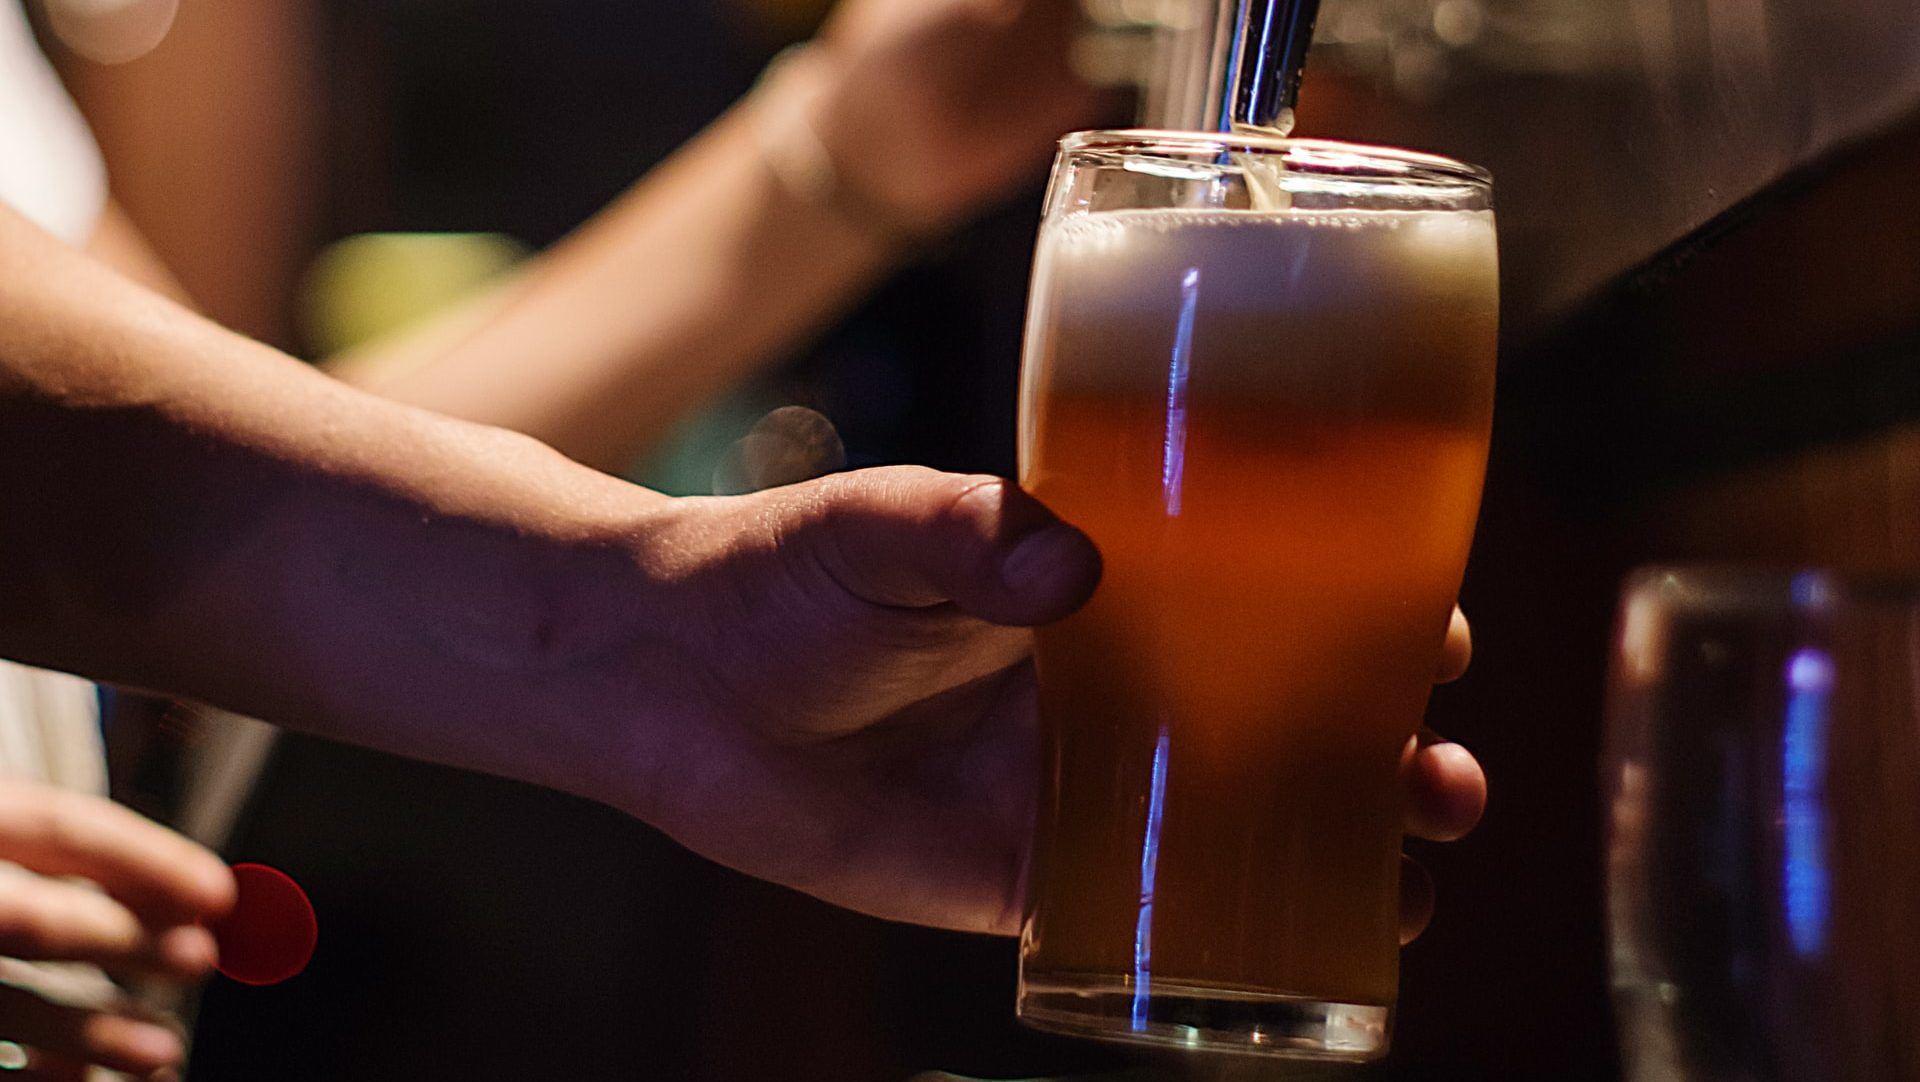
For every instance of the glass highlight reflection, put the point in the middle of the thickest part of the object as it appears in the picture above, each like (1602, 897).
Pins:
(1149, 865)
(1803, 760)
(1173, 462)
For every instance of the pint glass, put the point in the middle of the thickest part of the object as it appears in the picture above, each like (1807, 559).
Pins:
(1259, 374)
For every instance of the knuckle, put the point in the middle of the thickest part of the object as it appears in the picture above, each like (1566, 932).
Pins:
(977, 495)
(63, 822)
(45, 822)
(909, 491)
(28, 930)
(47, 920)
(976, 510)
(110, 1040)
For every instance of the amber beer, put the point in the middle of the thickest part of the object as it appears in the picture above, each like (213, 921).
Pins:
(1274, 424)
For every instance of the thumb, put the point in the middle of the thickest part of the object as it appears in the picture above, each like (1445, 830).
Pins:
(911, 538)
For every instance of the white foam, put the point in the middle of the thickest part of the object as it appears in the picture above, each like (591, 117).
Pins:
(1316, 292)
(1267, 259)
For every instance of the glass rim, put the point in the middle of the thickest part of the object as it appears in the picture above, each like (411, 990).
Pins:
(1780, 588)
(1324, 156)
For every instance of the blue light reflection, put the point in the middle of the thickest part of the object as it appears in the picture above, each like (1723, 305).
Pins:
(1149, 866)
(1803, 760)
(1173, 461)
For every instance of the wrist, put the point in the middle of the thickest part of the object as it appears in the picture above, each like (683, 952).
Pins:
(522, 653)
(475, 613)
(812, 161)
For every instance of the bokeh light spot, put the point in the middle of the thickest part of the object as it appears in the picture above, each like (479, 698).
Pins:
(271, 933)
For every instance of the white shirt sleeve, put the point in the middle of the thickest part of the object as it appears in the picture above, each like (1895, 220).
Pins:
(50, 170)
(50, 729)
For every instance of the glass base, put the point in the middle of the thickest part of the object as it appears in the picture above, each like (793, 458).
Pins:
(1174, 1015)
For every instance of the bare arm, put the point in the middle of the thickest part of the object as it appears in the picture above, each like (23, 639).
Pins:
(705, 273)
(192, 512)
(118, 243)
(714, 268)
(213, 144)
(709, 270)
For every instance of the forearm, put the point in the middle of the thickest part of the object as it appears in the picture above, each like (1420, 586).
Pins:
(190, 511)
(707, 271)
(213, 143)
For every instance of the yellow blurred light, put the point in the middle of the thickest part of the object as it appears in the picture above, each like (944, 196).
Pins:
(369, 286)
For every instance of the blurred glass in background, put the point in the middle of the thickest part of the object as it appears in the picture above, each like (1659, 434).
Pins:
(1762, 774)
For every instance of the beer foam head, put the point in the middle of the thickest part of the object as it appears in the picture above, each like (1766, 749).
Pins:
(1261, 260)
(1283, 300)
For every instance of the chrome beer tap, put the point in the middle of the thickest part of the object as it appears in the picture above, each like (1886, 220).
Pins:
(1264, 49)
(1216, 65)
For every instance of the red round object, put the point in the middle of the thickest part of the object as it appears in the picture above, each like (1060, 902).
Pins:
(271, 932)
